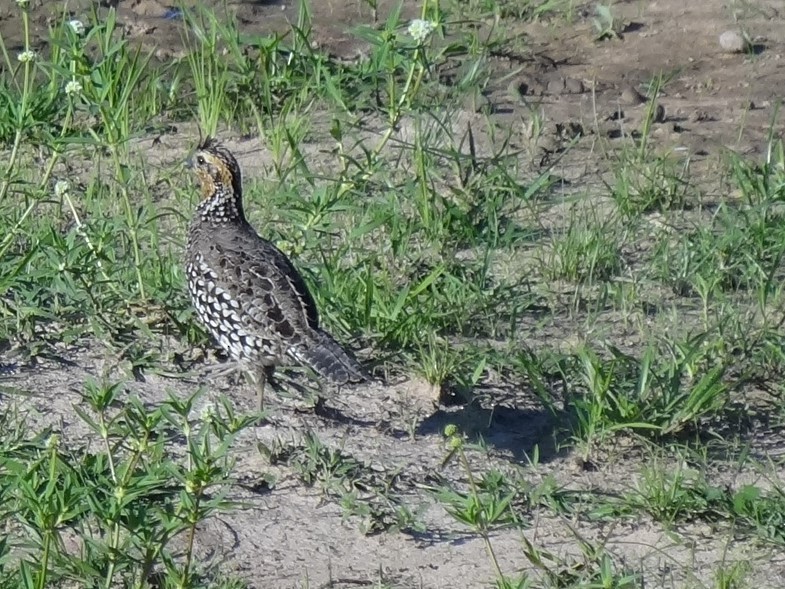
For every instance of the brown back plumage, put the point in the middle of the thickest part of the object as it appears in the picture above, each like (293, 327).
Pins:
(244, 289)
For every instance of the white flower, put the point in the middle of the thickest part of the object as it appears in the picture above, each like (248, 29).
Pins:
(420, 30)
(61, 188)
(77, 26)
(74, 87)
(207, 412)
(26, 56)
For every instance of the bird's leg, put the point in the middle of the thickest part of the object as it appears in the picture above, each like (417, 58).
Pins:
(262, 376)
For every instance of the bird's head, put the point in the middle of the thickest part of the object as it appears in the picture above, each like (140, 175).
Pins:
(216, 169)
(220, 180)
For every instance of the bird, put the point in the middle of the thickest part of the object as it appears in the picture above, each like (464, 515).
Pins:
(246, 292)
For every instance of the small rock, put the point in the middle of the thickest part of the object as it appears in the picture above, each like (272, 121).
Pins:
(573, 86)
(583, 464)
(138, 29)
(517, 90)
(556, 86)
(569, 130)
(659, 114)
(631, 96)
(699, 116)
(477, 102)
(173, 14)
(733, 42)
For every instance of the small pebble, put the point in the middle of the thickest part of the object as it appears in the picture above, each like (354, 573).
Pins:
(569, 130)
(517, 90)
(477, 102)
(574, 86)
(556, 86)
(699, 116)
(631, 96)
(659, 114)
(173, 14)
(733, 42)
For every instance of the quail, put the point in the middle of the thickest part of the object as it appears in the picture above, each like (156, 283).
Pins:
(246, 292)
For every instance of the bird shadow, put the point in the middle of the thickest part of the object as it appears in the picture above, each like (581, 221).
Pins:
(519, 431)
(505, 419)
(337, 416)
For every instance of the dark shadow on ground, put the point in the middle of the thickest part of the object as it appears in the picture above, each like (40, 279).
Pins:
(519, 431)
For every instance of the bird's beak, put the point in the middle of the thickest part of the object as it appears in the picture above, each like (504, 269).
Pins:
(189, 163)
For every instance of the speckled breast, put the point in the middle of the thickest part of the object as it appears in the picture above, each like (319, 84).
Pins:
(222, 315)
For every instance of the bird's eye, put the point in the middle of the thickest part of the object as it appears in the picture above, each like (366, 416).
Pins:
(200, 160)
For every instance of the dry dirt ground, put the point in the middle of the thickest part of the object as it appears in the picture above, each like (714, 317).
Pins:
(290, 536)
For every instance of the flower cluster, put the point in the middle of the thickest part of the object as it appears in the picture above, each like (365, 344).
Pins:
(420, 30)
(73, 88)
(61, 188)
(208, 412)
(27, 56)
(77, 26)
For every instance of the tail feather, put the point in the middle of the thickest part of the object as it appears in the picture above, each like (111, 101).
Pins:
(328, 359)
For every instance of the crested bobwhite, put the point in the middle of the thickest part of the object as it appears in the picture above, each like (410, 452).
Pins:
(245, 291)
